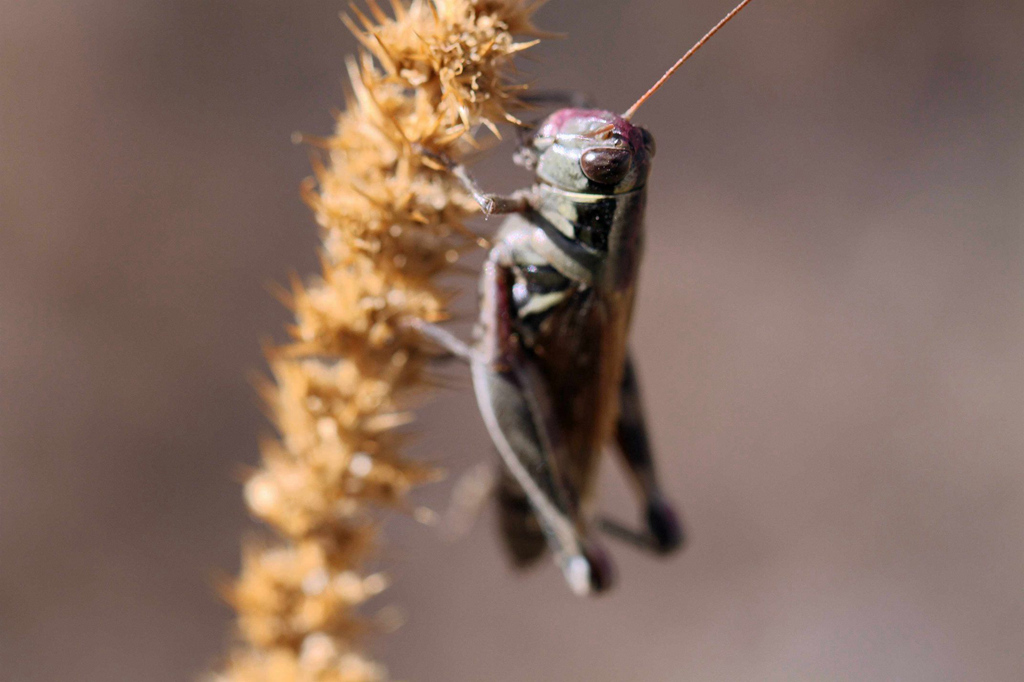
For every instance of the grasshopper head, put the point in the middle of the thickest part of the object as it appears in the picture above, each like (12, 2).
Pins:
(592, 151)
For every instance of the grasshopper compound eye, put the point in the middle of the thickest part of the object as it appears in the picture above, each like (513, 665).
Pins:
(605, 165)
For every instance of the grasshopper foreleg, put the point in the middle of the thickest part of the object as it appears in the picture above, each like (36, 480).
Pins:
(491, 204)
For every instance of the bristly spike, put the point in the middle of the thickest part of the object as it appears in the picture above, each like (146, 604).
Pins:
(362, 17)
(343, 378)
(399, 10)
(377, 12)
(668, 74)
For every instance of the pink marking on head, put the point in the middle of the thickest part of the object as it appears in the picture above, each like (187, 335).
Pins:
(582, 122)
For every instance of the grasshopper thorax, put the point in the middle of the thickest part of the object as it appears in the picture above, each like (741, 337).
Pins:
(592, 151)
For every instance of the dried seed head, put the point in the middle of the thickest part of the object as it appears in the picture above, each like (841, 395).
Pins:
(429, 75)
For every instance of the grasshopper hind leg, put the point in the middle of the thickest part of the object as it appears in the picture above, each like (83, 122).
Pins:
(520, 530)
(517, 411)
(512, 407)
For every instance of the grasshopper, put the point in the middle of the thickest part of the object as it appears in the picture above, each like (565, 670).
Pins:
(550, 365)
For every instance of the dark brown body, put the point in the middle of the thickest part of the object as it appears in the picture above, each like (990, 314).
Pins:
(550, 368)
(579, 346)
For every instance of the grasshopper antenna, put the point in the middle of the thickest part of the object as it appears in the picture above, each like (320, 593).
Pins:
(668, 74)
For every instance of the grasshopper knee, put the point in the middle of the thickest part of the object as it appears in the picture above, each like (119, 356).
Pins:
(589, 573)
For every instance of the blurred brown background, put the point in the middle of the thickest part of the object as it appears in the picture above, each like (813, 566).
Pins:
(830, 332)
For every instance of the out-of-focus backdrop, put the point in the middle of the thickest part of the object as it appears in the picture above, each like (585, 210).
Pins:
(830, 331)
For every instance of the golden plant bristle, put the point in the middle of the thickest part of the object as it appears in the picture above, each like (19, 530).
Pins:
(432, 73)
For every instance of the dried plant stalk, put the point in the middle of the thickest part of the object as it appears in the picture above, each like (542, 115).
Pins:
(429, 77)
